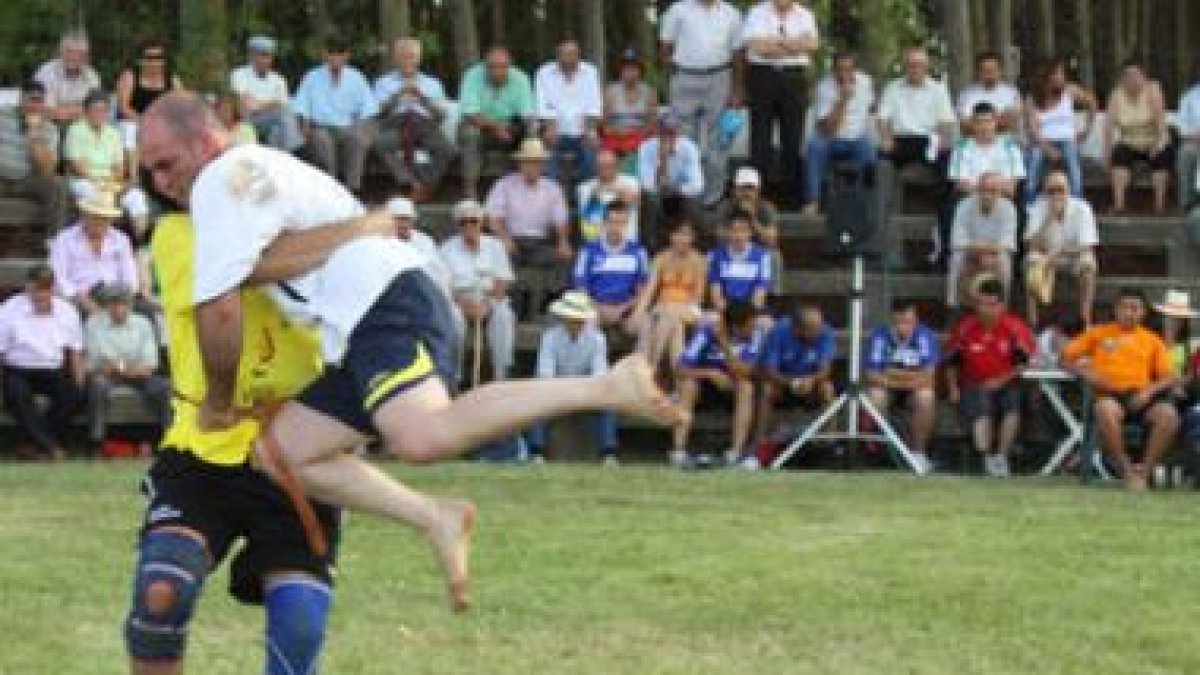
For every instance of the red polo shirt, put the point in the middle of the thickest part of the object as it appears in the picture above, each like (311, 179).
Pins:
(984, 353)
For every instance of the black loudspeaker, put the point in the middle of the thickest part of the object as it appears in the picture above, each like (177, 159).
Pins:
(853, 222)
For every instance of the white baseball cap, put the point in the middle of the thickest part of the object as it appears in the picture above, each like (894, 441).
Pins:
(401, 207)
(747, 175)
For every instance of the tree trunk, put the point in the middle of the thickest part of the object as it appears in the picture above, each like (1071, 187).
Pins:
(981, 37)
(1087, 55)
(591, 33)
(1044, 24)
(203, 45)
(395, 21)
(1183, 46)
(466, 36)
(498, 14)
(1002, 35)
(875, 42)
(957, 18)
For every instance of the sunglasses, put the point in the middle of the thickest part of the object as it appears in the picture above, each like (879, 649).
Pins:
(154, 56)
(471, 221)
(1057, 190)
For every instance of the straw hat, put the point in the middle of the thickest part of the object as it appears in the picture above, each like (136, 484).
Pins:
(1039, 279)
(531, 150)
(468, 209)
(102, 204)
(1177, 304)
(574, 305)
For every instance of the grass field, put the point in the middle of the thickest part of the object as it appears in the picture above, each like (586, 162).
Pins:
(583, 570)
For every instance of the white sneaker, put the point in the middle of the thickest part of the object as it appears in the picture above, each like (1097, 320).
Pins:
(537, 459)
(923, 465)
(611, 461)
(750, 463)
(678, 458)
(1002, 470)
(732, 457)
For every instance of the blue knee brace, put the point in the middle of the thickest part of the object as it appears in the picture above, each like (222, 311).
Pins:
(170, 572)
(296, 613)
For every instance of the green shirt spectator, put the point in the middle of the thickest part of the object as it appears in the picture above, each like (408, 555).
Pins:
(481, 95)
(96, 152)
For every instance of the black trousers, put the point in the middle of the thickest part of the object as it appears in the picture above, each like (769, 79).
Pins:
(915, 150)
(777, 96)
(23, 385)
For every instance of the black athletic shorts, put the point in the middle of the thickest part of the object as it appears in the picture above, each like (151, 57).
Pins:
(405, 338)
(1126, 157)
(977, 402)
(227, 503)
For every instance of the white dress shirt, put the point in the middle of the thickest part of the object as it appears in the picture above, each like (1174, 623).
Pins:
(78, 268)
(568, 101)
(433, 264)
(916, 110)
(973, 227)
(37, 341)
(702, 36)
(764, 21)
(858, 110)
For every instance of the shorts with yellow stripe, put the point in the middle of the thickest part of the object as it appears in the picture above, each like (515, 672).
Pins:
(406, 337)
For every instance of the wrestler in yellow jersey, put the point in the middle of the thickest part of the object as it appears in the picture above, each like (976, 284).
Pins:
(280, 358)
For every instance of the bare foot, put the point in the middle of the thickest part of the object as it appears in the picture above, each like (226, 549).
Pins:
(633, 380)
(451, 540)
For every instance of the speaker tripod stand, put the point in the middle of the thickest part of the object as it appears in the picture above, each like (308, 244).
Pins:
(855, 398)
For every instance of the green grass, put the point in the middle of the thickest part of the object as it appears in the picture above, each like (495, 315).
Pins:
(582, 570)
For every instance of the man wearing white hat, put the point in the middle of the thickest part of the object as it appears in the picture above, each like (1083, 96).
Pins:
(404, 215)
(529, 211)
(1129, 369)
(92, 252)
(264, 95)
(574, 347)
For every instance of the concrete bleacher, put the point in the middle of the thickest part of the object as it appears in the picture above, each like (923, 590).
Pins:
(1153, 253)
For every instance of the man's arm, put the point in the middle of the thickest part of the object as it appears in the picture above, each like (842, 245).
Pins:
(219, 328)
(297, 252)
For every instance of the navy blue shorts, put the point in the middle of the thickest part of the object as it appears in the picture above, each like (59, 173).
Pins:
(405, 338)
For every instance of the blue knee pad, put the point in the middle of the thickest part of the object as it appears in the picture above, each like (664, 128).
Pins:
(296, 613)
(175, 565)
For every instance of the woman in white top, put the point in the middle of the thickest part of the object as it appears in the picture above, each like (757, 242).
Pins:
(1050, 118)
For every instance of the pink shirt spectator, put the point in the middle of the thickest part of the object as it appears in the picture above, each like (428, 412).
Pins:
(77, 268)
(33, 341)
(528, 212)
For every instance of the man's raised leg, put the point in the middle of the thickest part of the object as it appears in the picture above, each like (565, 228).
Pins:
(315, 447)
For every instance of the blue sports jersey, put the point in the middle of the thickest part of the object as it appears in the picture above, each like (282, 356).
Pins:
(608, 275)
(885, 352)
(740, 276)
(790, 355)
(704, 351)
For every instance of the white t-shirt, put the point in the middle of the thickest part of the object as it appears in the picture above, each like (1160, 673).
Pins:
(433, 264)
(1004, 98)
(270, 89)
(592, 220)
(916, 110)
(701, 37)
(858, 110)
(250, 195)
(763, 21)
(1078, 229)
(1002, 156)
(568, 102)
(474, 272)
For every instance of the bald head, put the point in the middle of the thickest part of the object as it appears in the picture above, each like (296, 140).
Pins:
(177, 137)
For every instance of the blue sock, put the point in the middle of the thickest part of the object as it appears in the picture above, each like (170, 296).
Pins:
(296, 614)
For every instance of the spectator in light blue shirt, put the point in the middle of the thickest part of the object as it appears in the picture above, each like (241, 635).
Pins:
(1188, 120)
(719, 361)
(573, 347)
(671, 176)
(740, 270)
(337, 108)
(797, 365)
(613, 271)
(413, 106)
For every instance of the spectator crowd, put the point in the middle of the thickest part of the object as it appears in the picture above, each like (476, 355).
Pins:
(629, 201)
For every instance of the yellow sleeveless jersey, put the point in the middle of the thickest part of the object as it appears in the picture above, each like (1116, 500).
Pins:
(278, 358)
